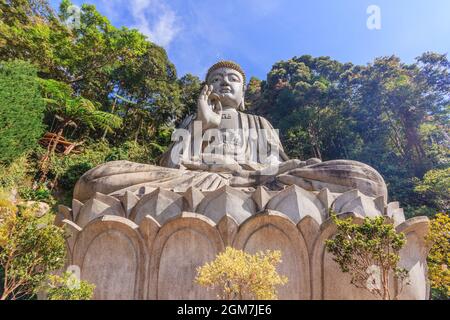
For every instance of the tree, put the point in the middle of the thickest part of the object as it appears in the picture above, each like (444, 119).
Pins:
(388, 114)
(253, 93)
(239, 275)
(369, 252)
(97, 60)
(190, 86)
(29, 250)
(398, 98)
(68, 287)
(439, 257)
(75, 111)
(151, 85)
(21, 109)
(435, 189)
(312, 92)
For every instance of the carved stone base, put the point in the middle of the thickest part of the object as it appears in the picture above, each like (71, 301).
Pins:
(148, 244)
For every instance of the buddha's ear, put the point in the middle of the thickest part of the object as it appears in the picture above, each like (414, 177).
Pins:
(242, 104)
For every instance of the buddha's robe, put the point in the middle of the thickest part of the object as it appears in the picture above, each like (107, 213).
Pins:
(258, 140)
(254, 144)
(258, 148)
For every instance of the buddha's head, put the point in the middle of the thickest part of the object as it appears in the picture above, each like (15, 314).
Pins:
(228, 81)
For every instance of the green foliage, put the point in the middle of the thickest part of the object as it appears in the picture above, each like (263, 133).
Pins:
(18, 177)
(77, 110)
(132, 151)
(99, 62)
(434, 135)
(369, 252)
(29, 250)
(190, 86)
(21, 109)
(68, 287)
(68, 169)
(390, 115)
(17, 173)
(435, 189)
(238, 275)
(418, 210)
(38, 192)
(252, 93)
(313, 92)
(439, 257)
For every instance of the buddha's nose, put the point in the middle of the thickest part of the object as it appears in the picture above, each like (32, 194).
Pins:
(225, 82)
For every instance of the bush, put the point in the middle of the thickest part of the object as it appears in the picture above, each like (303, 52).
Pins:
(21, 110)
(240, 275)
(29, 250)
(39, 192)
(133, 151)
(68, 287)
(369, 252)
(17, 173)
(439, 257)
(66, 170)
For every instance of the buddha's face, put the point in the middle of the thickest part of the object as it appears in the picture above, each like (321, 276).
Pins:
(228, 85)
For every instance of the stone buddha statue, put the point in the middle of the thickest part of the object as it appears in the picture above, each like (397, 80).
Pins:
(222, 145)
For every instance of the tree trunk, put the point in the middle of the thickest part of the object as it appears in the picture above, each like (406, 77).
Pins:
(138, 130)
(45, 160)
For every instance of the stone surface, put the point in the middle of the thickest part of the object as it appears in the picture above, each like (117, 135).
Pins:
(153, 254)
(40, 208)
(139, 231)
(261, 197)
(193, 196)
(227, 200)
(223, 146)
(110, 253)
(298, 203)
(160, 204)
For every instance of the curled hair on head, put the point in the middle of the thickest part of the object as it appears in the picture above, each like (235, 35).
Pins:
(226, 64)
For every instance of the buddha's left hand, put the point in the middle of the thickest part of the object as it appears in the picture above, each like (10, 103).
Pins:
(247, 178)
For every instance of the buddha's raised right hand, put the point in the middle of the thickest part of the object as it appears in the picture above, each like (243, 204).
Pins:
(209, 108)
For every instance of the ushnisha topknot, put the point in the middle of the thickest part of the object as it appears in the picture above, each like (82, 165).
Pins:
(226, 64)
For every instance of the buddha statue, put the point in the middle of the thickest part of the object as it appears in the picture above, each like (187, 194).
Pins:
(222, 145)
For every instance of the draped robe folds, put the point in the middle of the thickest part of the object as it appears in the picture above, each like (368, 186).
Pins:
(260, 148)
(259, 144)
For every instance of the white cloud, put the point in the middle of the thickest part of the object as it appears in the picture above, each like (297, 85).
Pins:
(165, 29)
(154, 18)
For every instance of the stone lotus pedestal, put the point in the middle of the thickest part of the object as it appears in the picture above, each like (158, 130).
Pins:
(147, 244)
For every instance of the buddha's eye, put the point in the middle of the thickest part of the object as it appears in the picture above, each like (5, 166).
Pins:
(234, 78)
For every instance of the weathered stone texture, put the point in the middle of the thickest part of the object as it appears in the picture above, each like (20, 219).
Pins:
(148, 246)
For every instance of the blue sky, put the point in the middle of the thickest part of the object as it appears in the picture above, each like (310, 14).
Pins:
(258, 33)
